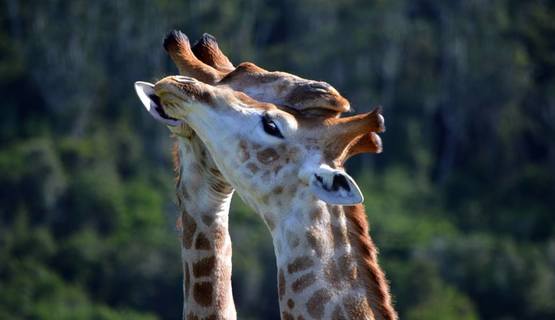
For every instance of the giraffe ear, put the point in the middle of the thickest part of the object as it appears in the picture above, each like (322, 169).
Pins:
(335, 187)
(151, 102)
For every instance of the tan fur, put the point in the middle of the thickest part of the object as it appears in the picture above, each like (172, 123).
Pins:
(367, 143)
(208, 51)
(346, 132)
(179, 49)
(358, 308)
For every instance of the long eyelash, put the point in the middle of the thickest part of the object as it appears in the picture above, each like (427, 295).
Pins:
(276, 132)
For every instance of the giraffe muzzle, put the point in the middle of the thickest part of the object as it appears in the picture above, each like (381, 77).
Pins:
(152, 103)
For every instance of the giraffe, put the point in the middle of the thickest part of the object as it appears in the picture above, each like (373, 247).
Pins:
(203, 199)
(288, 166)
(210, 256)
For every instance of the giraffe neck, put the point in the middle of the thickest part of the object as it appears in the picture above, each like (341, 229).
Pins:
(327, 266)
(203, 200)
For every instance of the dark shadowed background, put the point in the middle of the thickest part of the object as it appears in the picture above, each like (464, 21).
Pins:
(461, 203)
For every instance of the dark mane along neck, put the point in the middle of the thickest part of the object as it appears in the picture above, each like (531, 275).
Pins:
(377, 286)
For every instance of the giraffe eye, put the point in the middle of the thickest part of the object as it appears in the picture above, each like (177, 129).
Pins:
(270, 127)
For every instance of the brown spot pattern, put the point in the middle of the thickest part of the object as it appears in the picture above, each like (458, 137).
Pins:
(290, 304)
(303, 282)
(208, 219)
(316, 305)
(287, 316)
(332, 274)
(187, 280)
(202, 243)
(347, 265)
(357, 308)
(277, 190)
(281, 284)
(267, 155)
(189, 228)
(300, 264)
(314, 238)
(204, 267)
(243, 151)
(202, 292)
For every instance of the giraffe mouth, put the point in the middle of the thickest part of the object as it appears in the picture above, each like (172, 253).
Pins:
(153, 103)
(158, 107)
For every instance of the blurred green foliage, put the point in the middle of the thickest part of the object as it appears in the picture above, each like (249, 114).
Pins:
(461, 203)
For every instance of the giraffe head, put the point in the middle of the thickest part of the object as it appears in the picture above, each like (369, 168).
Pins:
(262, 150)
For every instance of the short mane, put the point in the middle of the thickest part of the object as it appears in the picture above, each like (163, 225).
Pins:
(377, 287)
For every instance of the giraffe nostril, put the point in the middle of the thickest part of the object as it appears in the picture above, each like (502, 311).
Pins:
(339, 181)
